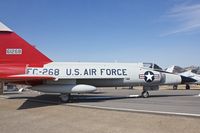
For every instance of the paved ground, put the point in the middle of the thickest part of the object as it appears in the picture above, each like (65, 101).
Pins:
(31, 112)
(181, 102)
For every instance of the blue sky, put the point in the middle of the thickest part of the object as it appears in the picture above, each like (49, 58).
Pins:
(165, 32)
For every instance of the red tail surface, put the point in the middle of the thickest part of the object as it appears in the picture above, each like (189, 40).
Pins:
(15, 50)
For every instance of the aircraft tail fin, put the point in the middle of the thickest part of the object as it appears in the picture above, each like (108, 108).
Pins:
(15, 50)
(170, 69)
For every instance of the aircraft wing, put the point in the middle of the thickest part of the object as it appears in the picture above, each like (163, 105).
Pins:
(27, 77)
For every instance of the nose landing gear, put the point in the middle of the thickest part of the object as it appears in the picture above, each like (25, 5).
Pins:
(145, 94)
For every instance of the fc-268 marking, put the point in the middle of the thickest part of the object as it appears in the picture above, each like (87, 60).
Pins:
(43, 71)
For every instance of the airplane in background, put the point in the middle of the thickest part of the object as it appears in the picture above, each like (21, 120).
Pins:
(22, 63)
(185, 73)
(192, 75)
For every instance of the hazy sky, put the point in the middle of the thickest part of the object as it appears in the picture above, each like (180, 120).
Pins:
(166, 32)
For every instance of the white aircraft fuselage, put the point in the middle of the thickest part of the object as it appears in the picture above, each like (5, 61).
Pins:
(100, 75)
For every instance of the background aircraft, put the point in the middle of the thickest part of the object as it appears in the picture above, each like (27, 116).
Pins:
(22, 63)
(190, 72)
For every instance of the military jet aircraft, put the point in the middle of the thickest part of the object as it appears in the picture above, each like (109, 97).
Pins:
(22, 63)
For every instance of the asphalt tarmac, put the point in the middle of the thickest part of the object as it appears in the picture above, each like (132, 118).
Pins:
(164, 101)
(171, 102)
(107, 110)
